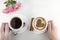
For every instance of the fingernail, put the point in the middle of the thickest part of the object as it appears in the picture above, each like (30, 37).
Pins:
(5, 24)
(48, 22)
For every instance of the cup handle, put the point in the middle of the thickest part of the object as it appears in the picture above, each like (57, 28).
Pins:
(14, 33)
(24, 24)
(31, 27)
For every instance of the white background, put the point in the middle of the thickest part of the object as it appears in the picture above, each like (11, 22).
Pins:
(50, 9)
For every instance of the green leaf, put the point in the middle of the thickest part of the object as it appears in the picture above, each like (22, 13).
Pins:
(6, 5)
(14, 2)
(10, 2)
(13, 5)
(5, 2)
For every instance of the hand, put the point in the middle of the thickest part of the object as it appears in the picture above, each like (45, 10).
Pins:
(52, 31)
(4, 31)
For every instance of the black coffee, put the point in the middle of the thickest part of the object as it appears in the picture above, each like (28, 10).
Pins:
(16, 23)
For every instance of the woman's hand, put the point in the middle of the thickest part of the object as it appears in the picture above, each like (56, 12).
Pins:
(52, 31)
(4, 31)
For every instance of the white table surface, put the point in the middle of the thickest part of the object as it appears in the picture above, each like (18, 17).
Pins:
(50, 9)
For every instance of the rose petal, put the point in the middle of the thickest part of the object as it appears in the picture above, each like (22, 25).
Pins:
(18, 5)
(5, 11)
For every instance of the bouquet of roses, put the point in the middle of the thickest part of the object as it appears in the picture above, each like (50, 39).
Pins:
(11, 6)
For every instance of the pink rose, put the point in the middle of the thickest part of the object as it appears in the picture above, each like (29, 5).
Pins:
(10, 8)
(5, 11)
(18, 5)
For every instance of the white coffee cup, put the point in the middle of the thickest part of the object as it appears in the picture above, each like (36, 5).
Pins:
(20, 24)
(39, 31)
(23, 26)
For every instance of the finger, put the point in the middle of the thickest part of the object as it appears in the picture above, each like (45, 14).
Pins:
(53, 26)
(6, 28)
(6, 31)
(2, 32)
(49, 26)
(2, 28)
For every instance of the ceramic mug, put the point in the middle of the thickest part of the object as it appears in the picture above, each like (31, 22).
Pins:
(15, 20)
(39, 30)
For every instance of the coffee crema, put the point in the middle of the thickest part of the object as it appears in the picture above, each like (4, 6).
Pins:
(16, 23)
(39, 23)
